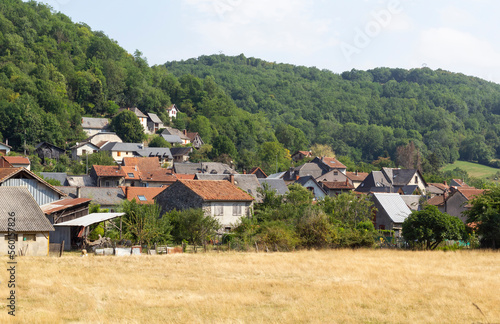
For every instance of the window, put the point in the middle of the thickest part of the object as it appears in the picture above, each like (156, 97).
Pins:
(119, 153)
(29, 237)
(84, 151)
(12, 236)
(219, 210)
(236, 210)
(335, 173)
(130, 175)
(416, 179)
(107, 183)
(141, 198)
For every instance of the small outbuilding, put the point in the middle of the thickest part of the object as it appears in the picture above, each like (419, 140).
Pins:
(23, 223)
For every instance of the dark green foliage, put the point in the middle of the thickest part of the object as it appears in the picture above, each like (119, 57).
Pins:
(128, 127)
(144, 224)
(362, 114)
(98, 158)
(159, 141)
(485, 217)
(192, 225)
(429, 227)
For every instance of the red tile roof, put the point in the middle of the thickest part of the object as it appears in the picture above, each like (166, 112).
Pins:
(470, 192)
(158, 175)
(17, 159)
(131, 172)
(436, 201)
(344, 185)
(108, 171)
(216, 190)
(148, 192)
(63, 204)
(356, 176)
(440, 186)
(333, 162)
(181, 176)
(143, 163)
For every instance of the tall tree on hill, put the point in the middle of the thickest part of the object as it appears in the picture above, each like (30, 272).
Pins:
(128, 127)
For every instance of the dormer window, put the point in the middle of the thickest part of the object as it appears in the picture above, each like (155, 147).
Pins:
(142, 198)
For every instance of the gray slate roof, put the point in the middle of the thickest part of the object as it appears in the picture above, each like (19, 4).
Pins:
(203, 167)
(177, 151)
(123, 147)
(28, 215)
(172, 138)
(412, 201)
(174, 131)
(162, 152)
(394, 206)
(59, 176)
(80, 181)
(103, 196)
(97, 123)
(277, 185)
(154, 118)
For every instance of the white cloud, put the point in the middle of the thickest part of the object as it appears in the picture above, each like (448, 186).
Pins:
(273, 26)
(459, 51)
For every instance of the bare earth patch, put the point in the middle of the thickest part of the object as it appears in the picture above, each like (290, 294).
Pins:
(335, 286)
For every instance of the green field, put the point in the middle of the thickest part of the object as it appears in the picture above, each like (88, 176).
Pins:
(475, 170)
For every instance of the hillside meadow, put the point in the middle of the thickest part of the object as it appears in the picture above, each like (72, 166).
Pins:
(331, 286)
(475, 170)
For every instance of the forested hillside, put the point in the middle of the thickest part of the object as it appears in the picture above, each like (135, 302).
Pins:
(251, 112)
(364, 114)
(53, 72)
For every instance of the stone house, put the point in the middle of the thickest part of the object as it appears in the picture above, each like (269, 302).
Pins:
(219, 198)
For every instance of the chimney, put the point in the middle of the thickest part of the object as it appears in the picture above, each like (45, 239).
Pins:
(184, 132)
(126, 192)
(78, 192)
(231, 178)
(444, 182)
(244, 171)
(356, 172)
(7, 141)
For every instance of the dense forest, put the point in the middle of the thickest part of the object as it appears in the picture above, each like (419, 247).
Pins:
(248, 111)
(363, 114)
(53, 72)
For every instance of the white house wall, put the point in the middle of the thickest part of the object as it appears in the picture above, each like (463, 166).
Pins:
(39, 247)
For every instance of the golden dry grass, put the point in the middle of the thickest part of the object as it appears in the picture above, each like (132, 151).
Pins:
(337, 286)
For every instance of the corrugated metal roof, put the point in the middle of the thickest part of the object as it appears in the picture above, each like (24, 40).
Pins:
(28, 215)
(90, 219)
(394, 206)
(63, 204)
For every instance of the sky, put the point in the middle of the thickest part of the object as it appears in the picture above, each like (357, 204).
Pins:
(337, 35)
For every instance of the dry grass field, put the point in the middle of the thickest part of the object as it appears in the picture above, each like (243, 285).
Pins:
(337, 286)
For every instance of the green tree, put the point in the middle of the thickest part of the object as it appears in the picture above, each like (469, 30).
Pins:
(128, 127)
(159, 141)
(485, 216)
(347, 209)
(144, 224)
(429, 227)
(222, 145)
(192, 225)
(99, 158)
(273, 155)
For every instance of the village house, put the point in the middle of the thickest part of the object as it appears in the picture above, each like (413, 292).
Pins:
(313, 186)
(92, 125)
(46, 150)
(142, 163)
(175, 132)
(42, 192)
(457, 202)
(157, 178)
(15, 162)
(84, 148)
(120, 150)
(32, 228)
(143, 119)
(172, 112)
(220, 199)
(203, 167)
(335, 188)
(4, 149)
(163, 154)
(258, 173)
(181, 154)
(300, 155)
(277, 185)
(195, 139)
(391, 212)
(249, 183)
(329, 164)
(154, 123)
(391, 180)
